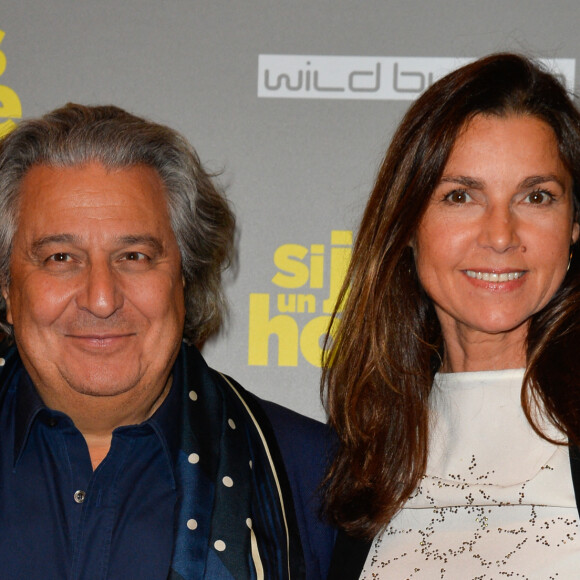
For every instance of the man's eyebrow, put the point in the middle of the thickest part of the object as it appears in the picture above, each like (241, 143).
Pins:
(73, 239)
(40, 243)
(144, 239)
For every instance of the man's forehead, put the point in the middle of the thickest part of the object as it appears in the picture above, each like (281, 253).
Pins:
(91, 186)
(92, 201)
(72, 239)
(45, 175)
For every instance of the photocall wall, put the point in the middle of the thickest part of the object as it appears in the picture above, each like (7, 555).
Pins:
(293, 103)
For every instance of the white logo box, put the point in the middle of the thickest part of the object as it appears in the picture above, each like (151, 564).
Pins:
(291, 76)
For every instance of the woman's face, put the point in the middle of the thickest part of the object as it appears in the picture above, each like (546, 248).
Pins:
(494, 243)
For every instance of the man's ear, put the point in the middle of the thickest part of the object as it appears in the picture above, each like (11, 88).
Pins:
(6, 296)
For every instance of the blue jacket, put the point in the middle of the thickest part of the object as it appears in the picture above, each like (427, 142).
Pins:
(305, 445)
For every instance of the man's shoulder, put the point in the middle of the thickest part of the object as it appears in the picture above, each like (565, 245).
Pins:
(305, 447)
(306, 444)
(302, 440)
(9, 365)
(296, 432)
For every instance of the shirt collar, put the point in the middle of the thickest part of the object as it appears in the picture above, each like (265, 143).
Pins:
(28, 406)
(165, 422)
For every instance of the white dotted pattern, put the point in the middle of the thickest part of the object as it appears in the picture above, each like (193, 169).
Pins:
(219, 545)
(192, 524)
(231, 423)
(228, 481)
(193, 458)
(193, 395)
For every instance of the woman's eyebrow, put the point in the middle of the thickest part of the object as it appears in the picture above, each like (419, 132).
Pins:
(473, 183)
(463, 180)
(539, 179)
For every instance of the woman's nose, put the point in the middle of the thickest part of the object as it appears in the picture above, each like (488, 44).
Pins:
(499, 230)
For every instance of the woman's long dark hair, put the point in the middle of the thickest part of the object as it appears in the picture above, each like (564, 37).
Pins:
(379, 367)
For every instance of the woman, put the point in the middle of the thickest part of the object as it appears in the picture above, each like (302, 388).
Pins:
(452, 379)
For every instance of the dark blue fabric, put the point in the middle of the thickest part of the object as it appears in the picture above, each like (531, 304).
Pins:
(235, 500)
(124, 527)
(135, 520)
(307, 447)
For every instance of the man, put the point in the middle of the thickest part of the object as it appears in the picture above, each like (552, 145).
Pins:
(122, 455)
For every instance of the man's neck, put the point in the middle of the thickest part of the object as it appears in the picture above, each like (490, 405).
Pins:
(96, 417)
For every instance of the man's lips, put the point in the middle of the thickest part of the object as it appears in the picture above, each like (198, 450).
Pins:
(495, 276)
(100, 340)
(99, 336)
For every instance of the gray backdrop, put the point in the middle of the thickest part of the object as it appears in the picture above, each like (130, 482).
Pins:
(296, 167)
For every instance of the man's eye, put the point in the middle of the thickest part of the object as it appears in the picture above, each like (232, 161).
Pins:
(135, 257)
(458, 196)
(540, 197)
(59, 257)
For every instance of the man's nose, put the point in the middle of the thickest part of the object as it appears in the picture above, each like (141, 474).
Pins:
(499, 230)
(100, 293)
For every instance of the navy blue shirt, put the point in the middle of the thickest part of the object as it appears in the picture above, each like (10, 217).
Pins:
(61, 520)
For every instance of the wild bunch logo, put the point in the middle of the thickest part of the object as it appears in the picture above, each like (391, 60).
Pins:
(10, 107)
(295, 76)
(293, 319)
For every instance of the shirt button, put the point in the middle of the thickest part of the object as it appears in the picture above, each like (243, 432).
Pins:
(79, 496)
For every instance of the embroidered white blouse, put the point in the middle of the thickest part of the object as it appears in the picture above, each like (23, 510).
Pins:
(497, 500)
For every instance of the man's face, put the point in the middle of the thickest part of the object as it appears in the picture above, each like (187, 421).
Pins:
(96, 291)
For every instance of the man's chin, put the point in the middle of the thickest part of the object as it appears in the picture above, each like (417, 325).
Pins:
(101, 382)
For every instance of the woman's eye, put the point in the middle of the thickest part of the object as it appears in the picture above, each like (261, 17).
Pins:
(458, 196)
(539, 197)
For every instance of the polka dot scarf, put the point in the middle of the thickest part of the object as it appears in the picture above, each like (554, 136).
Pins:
(235, 516)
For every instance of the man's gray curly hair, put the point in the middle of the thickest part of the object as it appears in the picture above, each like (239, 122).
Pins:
(201, 218)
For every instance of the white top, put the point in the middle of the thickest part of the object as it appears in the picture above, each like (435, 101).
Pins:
(497, 501)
